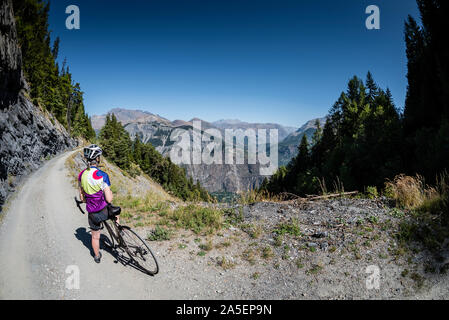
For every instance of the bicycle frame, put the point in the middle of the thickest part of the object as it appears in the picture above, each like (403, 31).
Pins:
(117, 241)
(114, 235)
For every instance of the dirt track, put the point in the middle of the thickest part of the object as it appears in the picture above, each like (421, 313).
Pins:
(43, 233)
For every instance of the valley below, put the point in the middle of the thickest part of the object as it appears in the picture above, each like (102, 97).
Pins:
(215, 178)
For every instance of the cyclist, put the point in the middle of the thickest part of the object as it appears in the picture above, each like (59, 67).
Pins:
(94, 188)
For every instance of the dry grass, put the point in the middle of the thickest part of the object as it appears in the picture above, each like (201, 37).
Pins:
(197, 218)
(253, 230)
(409, 192)
(249, 255)
(430, 210)
(437, 198)
(226, 264)
(338, 186)
(413, 193)
(152, 209)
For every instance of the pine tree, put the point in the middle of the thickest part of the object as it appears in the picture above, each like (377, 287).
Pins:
(371, 86)
(426, 111)
(358, 145)
(318, 133)
(51, 86)
(302, 159)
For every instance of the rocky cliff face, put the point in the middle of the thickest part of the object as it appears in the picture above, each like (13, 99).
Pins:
(283, 131)
(213, 177)
(28, 135)
(288, 148)
(11, 79)
(156, 130)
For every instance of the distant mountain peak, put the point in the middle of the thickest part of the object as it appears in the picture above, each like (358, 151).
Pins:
(125, 116)
(311, 124)
(131, 112)
(228, 121)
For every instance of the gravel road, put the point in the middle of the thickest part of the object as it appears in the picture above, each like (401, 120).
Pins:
(44, 233)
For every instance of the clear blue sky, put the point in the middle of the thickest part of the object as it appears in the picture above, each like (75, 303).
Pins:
(258, 61)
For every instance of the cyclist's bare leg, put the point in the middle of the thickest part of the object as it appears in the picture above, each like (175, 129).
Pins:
(96, 242)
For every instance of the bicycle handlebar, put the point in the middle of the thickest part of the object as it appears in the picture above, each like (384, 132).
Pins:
(78, 202)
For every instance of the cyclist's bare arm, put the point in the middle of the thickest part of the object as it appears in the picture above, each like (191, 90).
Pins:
(108, 194)
(81, 194)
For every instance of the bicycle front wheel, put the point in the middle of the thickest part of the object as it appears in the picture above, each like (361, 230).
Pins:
(139, 251)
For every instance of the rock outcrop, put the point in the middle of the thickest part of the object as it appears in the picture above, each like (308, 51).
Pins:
(11, 79)
(154, 129)
(213, 177)
(28, 134)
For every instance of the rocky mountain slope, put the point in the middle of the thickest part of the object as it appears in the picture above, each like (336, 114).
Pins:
(283, 131)
(215, 178)
(123, 185)
(28, 134)
(157, 131)
(288, 148)
(128, 116)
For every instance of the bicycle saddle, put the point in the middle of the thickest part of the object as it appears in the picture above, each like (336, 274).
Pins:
(114, 210)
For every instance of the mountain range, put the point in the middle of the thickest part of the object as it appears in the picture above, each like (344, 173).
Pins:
(157, 130)
(288, 147)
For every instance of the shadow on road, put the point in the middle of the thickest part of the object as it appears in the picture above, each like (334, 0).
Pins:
(105, 244)
(86, 238)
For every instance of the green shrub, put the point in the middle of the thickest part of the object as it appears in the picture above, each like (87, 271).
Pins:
(397, 213)
(253, 230)
(206, 246)
(197, 218)
(267, 252)
(159, 234)
(134, 170)
(373, 219)
(226, 264)
(255, 276)
(291, 228)
(371, 192)
(234, 216)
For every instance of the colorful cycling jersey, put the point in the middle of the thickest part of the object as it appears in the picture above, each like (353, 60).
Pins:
(93, 182)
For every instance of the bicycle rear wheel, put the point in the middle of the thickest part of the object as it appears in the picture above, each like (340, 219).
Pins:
(139, 251)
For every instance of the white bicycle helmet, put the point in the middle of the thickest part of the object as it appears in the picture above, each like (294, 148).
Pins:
(92, 152)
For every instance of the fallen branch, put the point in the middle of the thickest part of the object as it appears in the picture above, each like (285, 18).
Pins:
(334, 195)
(288, 194)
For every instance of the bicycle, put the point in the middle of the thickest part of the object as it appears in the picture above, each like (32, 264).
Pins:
(122, 237)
